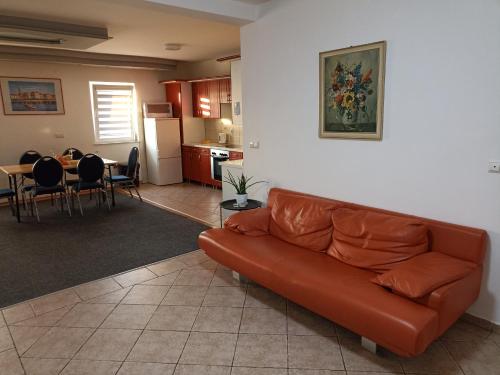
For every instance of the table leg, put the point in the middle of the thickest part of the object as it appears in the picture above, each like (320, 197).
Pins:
(220, 212)
(112, 186)
(17, 198)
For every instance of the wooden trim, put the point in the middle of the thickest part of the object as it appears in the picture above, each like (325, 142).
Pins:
(206, 79)
(229, 58)
(169, 81)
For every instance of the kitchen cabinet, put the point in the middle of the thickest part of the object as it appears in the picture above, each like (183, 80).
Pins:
(225, 90)
(236, 94)
(196, 164)
(208, 96)
(187, 172)
(180, 95)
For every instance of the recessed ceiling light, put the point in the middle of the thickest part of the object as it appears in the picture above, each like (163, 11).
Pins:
(173, 46)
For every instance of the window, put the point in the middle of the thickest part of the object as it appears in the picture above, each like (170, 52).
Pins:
(114, 110)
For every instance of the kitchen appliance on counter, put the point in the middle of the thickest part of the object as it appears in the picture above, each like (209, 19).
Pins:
(163, 150)
(222, 138)
(217, 157)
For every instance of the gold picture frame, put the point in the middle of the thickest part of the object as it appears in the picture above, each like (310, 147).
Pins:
(351, 93)
(32, 96)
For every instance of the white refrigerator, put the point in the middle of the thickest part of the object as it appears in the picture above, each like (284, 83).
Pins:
(163, 150)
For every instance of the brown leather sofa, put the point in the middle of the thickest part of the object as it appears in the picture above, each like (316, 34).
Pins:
(310, 276)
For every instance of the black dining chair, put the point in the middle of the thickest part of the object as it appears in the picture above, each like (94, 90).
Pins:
(76, 154)
(127, 181)
(28, 157)
(90, 177)
(48, 174)
(9, 195)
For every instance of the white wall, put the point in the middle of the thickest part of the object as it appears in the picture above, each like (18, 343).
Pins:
(20, 133)
(441, 120)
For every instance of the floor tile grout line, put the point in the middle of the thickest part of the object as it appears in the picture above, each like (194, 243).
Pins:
(452, 357)
(191, 330)
(49, 328)
(239, 326)
(100, 327)
(340, 349)
(286, 330)
(14, 347)
(78, 350)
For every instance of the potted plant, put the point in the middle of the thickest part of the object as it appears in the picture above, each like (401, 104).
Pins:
(241, 184)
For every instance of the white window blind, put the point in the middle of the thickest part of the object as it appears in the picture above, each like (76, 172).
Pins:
(114, 112)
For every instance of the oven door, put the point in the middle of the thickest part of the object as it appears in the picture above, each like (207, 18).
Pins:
(216, 167)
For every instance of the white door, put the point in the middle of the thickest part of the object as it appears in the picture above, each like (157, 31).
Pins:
(168, 138)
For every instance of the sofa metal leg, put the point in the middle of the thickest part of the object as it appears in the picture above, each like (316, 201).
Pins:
(237, 276)
(369, 345)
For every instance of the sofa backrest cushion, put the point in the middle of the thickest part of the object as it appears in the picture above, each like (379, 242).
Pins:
(424, 273)
(302, 222)
(459, 241)
(376, 241)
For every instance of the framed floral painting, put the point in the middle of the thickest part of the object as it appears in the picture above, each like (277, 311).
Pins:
(352, 92)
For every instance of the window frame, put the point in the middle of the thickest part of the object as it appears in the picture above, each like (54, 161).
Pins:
(94, 87)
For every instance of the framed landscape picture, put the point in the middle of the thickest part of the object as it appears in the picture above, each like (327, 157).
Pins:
(31, 96)
(352, 92)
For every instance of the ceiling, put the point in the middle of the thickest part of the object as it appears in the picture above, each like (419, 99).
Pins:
(138, 28)
(254, 2)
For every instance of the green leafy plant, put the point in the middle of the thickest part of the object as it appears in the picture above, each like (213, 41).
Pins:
(241, 184)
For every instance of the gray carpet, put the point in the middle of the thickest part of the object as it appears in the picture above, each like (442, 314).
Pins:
(61, 252)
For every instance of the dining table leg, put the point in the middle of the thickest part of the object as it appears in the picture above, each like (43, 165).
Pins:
(112, 187)
(14, 177)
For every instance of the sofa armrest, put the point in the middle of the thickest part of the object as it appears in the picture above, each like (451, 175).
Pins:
(251, 223)
(452, 300)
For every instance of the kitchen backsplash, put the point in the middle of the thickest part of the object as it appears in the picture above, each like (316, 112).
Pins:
(215, 126)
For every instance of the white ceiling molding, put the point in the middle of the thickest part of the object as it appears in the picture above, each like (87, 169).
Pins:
(229, 10)
(53, 55)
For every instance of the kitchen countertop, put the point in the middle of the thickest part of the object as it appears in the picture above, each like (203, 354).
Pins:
(233, 163)
(219, 146)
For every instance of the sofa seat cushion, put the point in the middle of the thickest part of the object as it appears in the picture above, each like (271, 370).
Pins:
(424, 273)
(302, 222)
(333, 289)
(251, 222)
(375, 240)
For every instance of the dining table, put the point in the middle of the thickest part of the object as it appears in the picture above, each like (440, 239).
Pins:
(15, 170)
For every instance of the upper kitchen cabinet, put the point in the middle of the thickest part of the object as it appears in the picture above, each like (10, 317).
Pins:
(225, 90)
(236, 92)
(208, 95)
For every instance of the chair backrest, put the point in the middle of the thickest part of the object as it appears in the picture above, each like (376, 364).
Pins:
(133, 158)
(77, 154)
(47, 171)
(90, 168)
(29, 157)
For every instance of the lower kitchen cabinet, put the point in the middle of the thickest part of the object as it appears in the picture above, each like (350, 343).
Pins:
(196, 164)
(205, 167)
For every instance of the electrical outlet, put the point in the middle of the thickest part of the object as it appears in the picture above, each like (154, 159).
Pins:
(494, 166)
(59, 135)
(254, 144)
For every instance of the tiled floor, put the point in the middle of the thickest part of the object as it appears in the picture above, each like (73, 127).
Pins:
(194, 200)
(188, 316)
